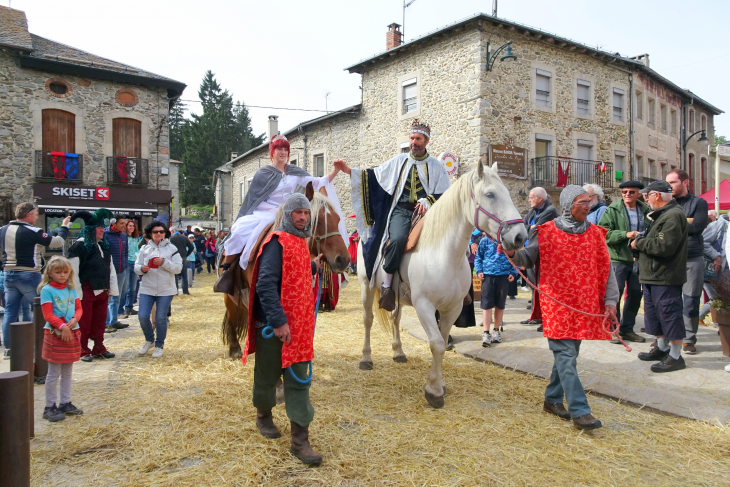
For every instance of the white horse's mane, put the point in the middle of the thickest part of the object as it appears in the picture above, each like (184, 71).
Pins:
(440, 217)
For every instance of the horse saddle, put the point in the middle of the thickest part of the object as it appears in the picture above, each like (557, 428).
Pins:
(415, 233)
(259, 241)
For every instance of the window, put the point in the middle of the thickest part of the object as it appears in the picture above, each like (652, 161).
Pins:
(585, 150)
(542, 88)
(691, 171)
(663, 117)
(59, 131)
(703, 174)
(293, 162)
(318, 165)
(691, 121)
(651, 169)
(242, 190)
(703, 122)
(639, 167)
(664, 169)
(542, 152)
(651, 116)
(127, 141)
(618, 165)
(410, 95)
(674, 122)
(583, 103)
(618, 105)
(639, 105)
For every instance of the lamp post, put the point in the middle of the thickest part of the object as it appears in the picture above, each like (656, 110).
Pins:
(492, 57)
(702, 138)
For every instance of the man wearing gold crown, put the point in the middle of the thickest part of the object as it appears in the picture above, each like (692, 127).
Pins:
(386, 197)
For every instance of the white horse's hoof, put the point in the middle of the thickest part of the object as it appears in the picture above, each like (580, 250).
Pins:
(366, 366)
(435, 401)
(401, 359)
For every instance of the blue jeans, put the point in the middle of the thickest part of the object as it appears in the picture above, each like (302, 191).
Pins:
(145, 310)
(564, 380)
(199, 259)
(112, 315)
(184, 276)
(130, 297)
(20, 289)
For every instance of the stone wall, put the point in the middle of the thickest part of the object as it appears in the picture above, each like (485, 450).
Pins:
(23, 96)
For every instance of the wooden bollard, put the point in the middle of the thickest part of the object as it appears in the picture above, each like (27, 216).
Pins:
(14, 420)
(41, 366)
(21, 360)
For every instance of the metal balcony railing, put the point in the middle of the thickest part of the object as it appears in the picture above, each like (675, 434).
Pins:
(59, 166)
(558, 172)
(127, 171)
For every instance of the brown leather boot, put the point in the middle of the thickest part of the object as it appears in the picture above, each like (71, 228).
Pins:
(387, 298)
(300, 446)
(265, 424)
(226, 281)
(587, 422)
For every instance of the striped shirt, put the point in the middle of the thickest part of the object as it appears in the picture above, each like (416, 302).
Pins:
(21, 244)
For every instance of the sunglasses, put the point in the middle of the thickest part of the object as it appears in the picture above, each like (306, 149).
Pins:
(628, 192)
(158, 231)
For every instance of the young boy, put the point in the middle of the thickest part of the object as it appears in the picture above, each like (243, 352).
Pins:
(496, 273)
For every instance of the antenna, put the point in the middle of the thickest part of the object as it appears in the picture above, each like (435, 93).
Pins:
(326, 96)
(494, 8)
(406, 4)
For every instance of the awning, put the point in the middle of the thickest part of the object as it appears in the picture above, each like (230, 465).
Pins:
(117, 209)
(709, 196)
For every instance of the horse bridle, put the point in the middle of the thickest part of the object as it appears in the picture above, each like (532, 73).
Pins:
(318, 239)
(502, 223)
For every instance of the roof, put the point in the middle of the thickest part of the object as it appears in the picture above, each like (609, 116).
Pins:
(563, 42)
(14, 29)
(501, 23)
(345, 111)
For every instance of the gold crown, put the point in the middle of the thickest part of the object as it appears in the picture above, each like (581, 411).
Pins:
(420, 128)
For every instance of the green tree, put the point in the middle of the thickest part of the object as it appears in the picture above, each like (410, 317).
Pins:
(720, 139)
(177, 121)
(209, 138)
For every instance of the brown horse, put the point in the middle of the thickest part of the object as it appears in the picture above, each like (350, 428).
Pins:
(326, 239)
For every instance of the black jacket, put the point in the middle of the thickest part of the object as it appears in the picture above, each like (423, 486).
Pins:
(696, 208)
(548, 213)
(93, 267)
(184, 246)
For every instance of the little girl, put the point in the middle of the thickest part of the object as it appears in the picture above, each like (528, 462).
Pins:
(61, 344)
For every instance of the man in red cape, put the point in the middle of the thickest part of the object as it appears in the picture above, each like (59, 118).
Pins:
(281, 297)
(572, 265)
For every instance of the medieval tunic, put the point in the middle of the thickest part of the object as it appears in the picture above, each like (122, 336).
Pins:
(269, 189)
(377, 192)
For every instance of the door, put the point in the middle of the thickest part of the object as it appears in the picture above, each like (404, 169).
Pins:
(127, 143)
(58, 138)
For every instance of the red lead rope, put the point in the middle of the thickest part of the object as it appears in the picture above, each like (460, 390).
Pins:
(612, 328)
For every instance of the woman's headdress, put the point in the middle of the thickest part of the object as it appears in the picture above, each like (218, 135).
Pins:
(91, 221)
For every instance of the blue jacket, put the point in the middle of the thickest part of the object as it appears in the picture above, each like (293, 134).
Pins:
(118, 247)
(489, 262)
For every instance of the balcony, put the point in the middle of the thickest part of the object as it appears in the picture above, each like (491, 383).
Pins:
(59, 167)
(127, 171)
(558, 172)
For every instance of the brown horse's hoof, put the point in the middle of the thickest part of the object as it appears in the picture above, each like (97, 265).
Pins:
(435, 401)
(235, 354)
(366, 366)
(401, 359)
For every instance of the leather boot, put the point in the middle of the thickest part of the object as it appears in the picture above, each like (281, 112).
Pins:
(468, 300)
(387, 298)
(226, 282)
(300, 446)
(265, 424)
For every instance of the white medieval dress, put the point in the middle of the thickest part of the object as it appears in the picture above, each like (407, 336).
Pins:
(247, 228)
(375, 192)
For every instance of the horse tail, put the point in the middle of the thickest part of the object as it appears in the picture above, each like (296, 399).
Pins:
(384, 317)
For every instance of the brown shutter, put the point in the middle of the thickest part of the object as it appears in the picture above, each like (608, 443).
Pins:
(127, 139)
(59, 131)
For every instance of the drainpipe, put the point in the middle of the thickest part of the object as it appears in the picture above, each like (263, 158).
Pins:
(632, 145)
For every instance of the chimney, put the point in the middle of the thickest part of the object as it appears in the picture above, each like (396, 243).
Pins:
(394, 37)
(234, 155)
(642, 58)
(273, 126)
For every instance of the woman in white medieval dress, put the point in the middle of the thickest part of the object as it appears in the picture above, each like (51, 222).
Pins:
(269, 188)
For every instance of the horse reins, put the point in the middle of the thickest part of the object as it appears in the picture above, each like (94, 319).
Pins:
(320, 238)
(612, 328)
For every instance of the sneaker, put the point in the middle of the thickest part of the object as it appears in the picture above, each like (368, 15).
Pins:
(539, 329)
(133, 313)
(496, 337)
(486, 339)
(123, 316)
(669, 364)
(110, 329)
(727, 368)
(157, 352)
(52, 414)
(524, 289)
(69, 409)
(633, 337)
(689, 348)
(119, 326)
(86, 358)
(145, 348)
(106, 354)
(6, 355)
(513, 297)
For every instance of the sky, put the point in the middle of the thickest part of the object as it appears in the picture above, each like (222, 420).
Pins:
(292, 54)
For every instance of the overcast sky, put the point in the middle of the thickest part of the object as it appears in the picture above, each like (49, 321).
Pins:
(289, 53)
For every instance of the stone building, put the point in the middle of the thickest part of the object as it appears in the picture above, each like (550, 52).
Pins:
(224, 201)
(485, 82)
(78, 131)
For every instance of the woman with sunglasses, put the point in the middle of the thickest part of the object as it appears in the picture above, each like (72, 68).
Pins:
(157, 262)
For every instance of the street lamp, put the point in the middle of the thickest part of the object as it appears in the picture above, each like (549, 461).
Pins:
(508, 56)
(702, 138)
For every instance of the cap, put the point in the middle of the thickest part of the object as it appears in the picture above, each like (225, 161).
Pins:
(659, 186)
(631, 184)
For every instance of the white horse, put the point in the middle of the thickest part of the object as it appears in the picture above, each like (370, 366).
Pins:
(435, 276)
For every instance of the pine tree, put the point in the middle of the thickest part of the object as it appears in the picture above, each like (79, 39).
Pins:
(177, 121)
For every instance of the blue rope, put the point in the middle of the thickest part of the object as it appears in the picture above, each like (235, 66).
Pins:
(268, 332)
